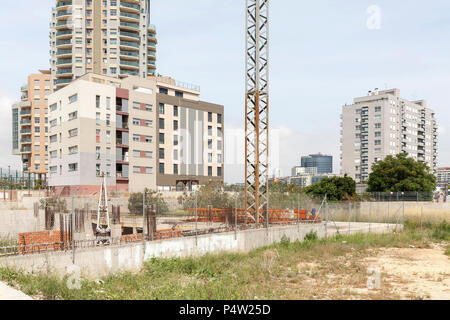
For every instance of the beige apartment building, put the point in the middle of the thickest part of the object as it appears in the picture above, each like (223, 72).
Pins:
(381, 124)
(443, 176)
(108, 37)
(153, 133)
(29, 124)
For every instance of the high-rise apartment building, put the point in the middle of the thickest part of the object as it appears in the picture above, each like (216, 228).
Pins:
(108, 37)
(381, 124)
(29, 124)
(323, 163)
(443, 176)
(153, 133)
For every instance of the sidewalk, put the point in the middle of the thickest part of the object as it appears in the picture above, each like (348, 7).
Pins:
(8, 293)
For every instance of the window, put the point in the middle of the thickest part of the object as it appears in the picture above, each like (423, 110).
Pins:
(377, 142)
(53, 169)
(219, 118)
(108, 153)
(209, 131)
(377, 125)
(149, 123)
(175, 140)
(97, 169)
(378, 134)
(161, 108)
(210, 156)
(53, 154)
(161, 123)
(175, 169)
(163, 91)
(179, 94)
(53, 123)
(175, 154)
(53, 138)
(161, 168)
(37, 120)
(378, 109)
(73, 133)
(175, 111)
(97, 118)
(73, 150)
(161, 153)
(219, 158)
(209, 116)
(219, 132)
(136, 169)
(97, 135)
(108, 120)
(219, 144)
(136, 105)
(97, 153)
(148, 107)
(73, 115)
(136, 137)
(148, 139)
(73, 98)
(108, 103)
(149, 154)
(53, 107)
(219, 171)
(161, 138)
(37, 129)
(73, 167)
(97, 101)
(210, 143)
(136, 122)
(209, 171)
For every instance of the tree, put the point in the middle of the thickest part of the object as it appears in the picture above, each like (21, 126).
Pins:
(336, 188)
(401, 173)
(211, 194)
(151, 198)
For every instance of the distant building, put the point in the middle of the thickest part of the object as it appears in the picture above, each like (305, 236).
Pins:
(382, 124)
(297, 171)
(443, 176)
(323, 163)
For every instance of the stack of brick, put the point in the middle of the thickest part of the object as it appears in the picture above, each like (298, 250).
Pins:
(43, 241)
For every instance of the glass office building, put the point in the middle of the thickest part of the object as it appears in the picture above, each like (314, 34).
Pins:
(323, 163)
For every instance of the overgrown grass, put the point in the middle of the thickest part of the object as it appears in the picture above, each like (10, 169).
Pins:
(265, 273)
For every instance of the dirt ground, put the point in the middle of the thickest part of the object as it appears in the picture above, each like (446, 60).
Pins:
(402, 273)
(415, 273)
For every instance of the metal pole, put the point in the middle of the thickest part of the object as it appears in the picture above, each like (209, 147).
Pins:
(143, 216)
(349, 215)
(196, 217)
(73, 231)
(298, 212)
(235, 217)
(421, 214)
(370, 211)
(326, 216)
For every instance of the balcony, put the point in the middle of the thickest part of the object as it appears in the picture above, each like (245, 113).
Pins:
(64, 13)
(64, 43)
(24, 87)
(130, 7)
(129, 25)
(64, 34)
(129, 35)
(128, 44)
(129, 54)
(121, 175)
(132, 64)
(25, 131)
(24, 112)
(122, 158)
(64, 71)
(121, 142)
(25, 140)
(129, 16)
(63, 24)
(62, 4)
(25, 149)
(24, 96)
(61, 53)
(60, 62)
(62, 81)
(25, 122)
(128, 73)
(152, 27)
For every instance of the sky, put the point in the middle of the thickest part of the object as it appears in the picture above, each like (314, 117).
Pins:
(323, 54)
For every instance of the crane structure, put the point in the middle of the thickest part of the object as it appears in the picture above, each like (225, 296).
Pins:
(257, 110)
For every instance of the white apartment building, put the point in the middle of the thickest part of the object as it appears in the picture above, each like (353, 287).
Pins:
(108, 37)
(381, 124)
(153, 133)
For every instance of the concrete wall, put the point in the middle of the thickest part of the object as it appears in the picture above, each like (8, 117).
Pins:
(13, 222)
(101, 261)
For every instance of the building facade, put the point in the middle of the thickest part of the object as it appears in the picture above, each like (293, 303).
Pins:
(29, 124)
(443, 176)
(323, 163)
(108, 37)
(153, 133)
(381, 124)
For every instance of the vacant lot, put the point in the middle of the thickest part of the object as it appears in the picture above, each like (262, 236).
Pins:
(412, 264)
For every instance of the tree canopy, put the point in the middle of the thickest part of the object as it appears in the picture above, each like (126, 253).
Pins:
(151, 198)
(336, 188)
(401, 173)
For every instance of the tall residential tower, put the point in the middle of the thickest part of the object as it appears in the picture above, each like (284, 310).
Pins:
(381, 124)
(108, 37)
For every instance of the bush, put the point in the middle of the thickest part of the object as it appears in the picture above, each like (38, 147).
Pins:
(311, 236)
(58, 204)
(151, 198)
(211, 194)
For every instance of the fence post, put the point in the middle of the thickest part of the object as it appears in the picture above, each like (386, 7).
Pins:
(421, 213)
(298, 212)
(370, 213)
(143, 217)
(73, 230)
(349, 215)
(326, 216)
(196, 218)
(235, 217)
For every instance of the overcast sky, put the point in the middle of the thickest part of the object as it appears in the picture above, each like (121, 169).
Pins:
(323, 54)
